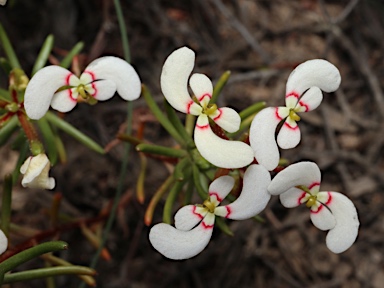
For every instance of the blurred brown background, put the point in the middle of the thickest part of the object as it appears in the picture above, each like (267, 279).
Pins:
(260, 42)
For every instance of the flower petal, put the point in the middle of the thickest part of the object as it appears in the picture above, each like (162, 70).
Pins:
(262, 137)
(62, 101)
(103, 89)
(174, 80)
(227, 118)
(220, 188)
(302, 173)
(322, 217)
(318, 72)
(117, 70)
(221, 153)
(176, 244)
(344, 234)
(35, 170)
(202, 87)
(3, 242)
(293, 197)
(189, 216)
(41, 87)
(254, 196)
(289, 135)
(310, 100)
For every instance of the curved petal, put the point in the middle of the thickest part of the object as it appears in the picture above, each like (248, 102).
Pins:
(262, 137)
(103, 89)
(202, 87)
(220, 188)
(227, 118)
(254, 196)
(174, 80)
(35, 170)
(3, 242)
(310, 100)
(318, 72)
(189, 216)
(176, 244)
(221, 153)
(111, 68)
(293, 197)
(322, 217)
(302, 173)
(344, 234)
(289, 135)
(40, 89)
(63, 101)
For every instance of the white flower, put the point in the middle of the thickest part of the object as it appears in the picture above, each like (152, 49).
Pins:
(300, 183)
(194, 223)
(2, 2)
(99, 81)
(303, 94)
(174, 84)
(35, 170)
(3, 242)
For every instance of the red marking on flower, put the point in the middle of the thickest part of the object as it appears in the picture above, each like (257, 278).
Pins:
(71, 95)
(293, 93)
(302, 104)
(301, 197)
(290, 127)
(205, 95)
(277, 113)
(318, 209)
(197, 213)
(218, 116)
(216, 195)
(189, 106)
(229, 211)
(202, 127)
(67, 79)
(313, 185)
(206, 226)
(93, 76)
(94, 88)
(329, 198)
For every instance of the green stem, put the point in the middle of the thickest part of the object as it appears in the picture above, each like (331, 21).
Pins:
(6, 204)
(66, 62)
(178, 173)
(123, 31)
(8, 49)
(253, 109)
(219, 86)
(50, 139)
(161, 150)
(7, 130)
(44, 54)
(196, 179)
(167, 212)
(47, 272)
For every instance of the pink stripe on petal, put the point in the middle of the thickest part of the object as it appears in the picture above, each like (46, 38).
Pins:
(293, 93)
(205, 95)
(67, 79)
(221, 187)
(93, 76)
(313, 185)
(189, 216)
(196, 213)
(218, 116)
(302, 104)
(216, 195)
(318, 209)
(291, 127)
(301, 197)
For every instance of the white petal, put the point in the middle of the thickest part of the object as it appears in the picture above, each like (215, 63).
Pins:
(41, 87)
(289, 135)
(302, 173)
(189, 216)
(293, 197)
(344, 234)
(227, 118)
(221, 153)
(104, 89)
(62, 101)
(262, 137)
(322, 217)
(111, 68)
(318, 72)
(176, 244)
(3, 242)
(220, 188)
(310, 100)
(35, 170)
(202, 87)
(254, 196)
(174, 80)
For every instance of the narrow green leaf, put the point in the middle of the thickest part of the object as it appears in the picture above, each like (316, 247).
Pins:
(72, 131)
(175, 190)
(123, 31)
(6, 204)
(223, 226)
(219, 86)
(161, 150)
(8, 129)
(66, 62)
(253, 109)
(4, 95)
(44, 54)
(160, 116)
(50, 140)
(4, 64)
(196, 179)
(60, 149)
(178, 173)
(22, 156)
(12, 58)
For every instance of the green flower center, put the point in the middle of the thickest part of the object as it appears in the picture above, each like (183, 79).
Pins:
(210, 109)
(311, 201)
(293, 115)
(209, 205)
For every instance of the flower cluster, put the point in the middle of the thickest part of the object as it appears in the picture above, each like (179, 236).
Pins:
(297, 184)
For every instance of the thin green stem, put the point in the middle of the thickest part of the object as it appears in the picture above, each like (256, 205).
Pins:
(66, 62)
(175, 190)
(6, 204)
(123, 31)
(161, 150)
(8, 49)
(219, 86)
(44, 54)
